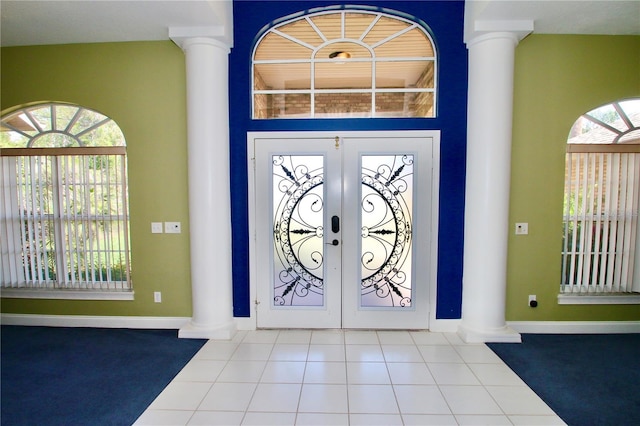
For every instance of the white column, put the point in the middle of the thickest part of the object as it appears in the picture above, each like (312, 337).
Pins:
(490, 110)
(209, 188)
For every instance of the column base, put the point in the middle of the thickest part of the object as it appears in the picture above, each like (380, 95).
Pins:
(214, 332)
(501, 335)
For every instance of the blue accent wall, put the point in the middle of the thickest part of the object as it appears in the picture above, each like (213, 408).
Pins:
(445, 23)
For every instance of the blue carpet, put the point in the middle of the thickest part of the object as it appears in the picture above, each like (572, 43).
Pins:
(86, 376)
(587, 379)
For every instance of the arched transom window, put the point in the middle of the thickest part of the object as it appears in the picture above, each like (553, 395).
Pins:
(344, 63)
(64, 221)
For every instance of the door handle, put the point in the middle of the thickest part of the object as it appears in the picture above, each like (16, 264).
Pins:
(333, 243)
(335, 225)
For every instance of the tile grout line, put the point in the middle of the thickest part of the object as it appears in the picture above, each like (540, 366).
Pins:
(304, 372)
(255, 389)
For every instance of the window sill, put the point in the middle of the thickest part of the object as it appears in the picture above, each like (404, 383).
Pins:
(66, 294)
(599, 299)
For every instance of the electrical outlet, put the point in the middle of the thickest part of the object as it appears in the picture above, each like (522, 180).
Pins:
(533, 301)
(522, 228)
(156, 227)
(157, 297)
(172, 228)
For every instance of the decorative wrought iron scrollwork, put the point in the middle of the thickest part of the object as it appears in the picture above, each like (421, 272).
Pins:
(387, 199)
(298, 230)
(387, 204)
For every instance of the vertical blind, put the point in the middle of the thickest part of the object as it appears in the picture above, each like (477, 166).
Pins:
(601, 219)
(64, 221)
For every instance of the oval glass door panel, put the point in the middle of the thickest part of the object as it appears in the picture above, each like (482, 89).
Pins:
(386, 223)
(298, 233)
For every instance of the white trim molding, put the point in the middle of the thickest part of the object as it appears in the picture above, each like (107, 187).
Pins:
(25, 293)
(246, 323)
(599, 299)
(575, 327)
(250, 323)
(444, 325)
(94, 321)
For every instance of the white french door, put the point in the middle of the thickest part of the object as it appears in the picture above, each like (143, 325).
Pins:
(342, 229)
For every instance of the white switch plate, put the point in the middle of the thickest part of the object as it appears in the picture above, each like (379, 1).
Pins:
(156, 227)
(157, 297)
(172, 228)
(522, 228)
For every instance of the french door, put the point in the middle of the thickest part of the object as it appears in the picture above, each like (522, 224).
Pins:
(342, 229)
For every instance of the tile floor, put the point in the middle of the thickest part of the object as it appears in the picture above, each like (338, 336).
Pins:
(335, 377)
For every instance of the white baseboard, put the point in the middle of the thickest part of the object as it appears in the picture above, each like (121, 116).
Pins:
(444, 325)
(245, 323)
(110, 321)
(94, 321)
(441, 326)
(504, 334)
(575, 327)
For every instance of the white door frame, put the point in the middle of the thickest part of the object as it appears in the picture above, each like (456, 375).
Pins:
(251, 323)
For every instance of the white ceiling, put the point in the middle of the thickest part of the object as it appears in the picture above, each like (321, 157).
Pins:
(608, 17)
(30, 22)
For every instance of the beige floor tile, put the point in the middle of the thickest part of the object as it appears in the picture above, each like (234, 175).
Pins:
(519, 400)
(410, 373)
(269, 419)
(322, 419)
(421, 399)
(371, 373)
(164, 418)
(346, 377)
(228, 397)
(401, 353)
(429, 419)
(470, 400)
(283, 372)
(326, 372)
(323, 398)
(276, 398)
(242, 371)
(452, 374)
(201, 370)
(364, 353)
(216, 418)
(482, 420)
(440, 353)
(326, 352)
(372, 399)
(375, 420)
(181, 396)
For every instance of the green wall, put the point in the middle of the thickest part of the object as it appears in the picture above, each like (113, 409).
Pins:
(141, 86)
(557, 79)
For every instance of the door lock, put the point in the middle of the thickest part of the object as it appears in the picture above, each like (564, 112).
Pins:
(335, 224)
(333, 243)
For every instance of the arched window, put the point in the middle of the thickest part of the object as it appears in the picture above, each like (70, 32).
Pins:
(344, 63)
(65, 221)
(600, 252)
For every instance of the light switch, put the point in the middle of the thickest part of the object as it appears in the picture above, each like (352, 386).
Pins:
(172, 228)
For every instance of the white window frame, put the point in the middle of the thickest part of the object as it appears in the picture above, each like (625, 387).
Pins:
(601, 246)
(313, 59)
(22, 228)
